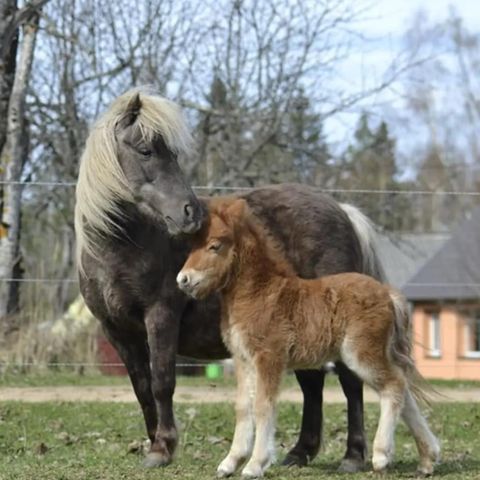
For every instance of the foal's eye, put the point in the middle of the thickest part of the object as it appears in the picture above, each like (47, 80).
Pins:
(214, 247)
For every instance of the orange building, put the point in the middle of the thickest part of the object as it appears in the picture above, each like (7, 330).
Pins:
(445, 294)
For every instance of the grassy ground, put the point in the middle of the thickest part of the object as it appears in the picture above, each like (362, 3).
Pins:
(59, 441)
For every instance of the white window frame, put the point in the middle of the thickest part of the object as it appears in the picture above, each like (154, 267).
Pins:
(434, 335)
(472, 317)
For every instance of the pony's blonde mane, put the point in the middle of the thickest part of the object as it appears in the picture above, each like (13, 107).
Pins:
(102, 183)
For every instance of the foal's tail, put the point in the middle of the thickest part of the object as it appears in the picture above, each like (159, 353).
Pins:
(401, 350)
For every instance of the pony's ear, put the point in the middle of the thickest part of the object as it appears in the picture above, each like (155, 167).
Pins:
(134, 105)
(131, 111)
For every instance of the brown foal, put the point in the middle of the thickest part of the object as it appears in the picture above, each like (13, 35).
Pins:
(273, 320)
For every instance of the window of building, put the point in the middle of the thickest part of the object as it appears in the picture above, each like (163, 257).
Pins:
(434, 338)
(472, 334)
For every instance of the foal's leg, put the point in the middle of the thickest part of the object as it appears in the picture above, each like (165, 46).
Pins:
(162, 329)
(354, 459)
(268, 376)
(243, 437)
(392, 396)
(308, 443)
(427, 444)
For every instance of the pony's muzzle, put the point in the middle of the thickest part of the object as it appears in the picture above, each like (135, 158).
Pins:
(193, 216)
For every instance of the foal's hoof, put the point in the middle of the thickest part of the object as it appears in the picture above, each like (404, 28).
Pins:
(227, 467)
(351, 465)
(295, 459)
(156, 459)
(421, 473)
(252, 471)
(380, 462)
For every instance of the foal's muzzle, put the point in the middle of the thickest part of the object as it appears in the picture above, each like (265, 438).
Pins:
(191, 281)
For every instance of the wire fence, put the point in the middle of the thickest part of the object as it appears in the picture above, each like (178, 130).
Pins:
(75, 281)
(67, 184)
(366, 191)
(211, 188)
(4, 365)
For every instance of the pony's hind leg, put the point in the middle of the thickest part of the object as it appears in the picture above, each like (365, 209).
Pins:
(427, 444)
(242, 442)
(268, 376)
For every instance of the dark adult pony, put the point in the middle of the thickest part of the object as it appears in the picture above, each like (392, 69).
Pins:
(134, 211)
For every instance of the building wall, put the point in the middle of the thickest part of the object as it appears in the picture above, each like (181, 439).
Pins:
(451, 363)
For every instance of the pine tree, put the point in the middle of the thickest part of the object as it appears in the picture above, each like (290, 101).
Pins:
(370, 164)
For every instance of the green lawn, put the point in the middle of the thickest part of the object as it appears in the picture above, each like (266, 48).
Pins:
(60, 441)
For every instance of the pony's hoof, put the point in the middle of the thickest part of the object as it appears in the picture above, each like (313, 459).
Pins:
(351, 465)
(156, 459)
(295, 459)
(252, 471)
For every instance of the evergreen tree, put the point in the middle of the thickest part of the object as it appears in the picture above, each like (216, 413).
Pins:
(370, 164)
(298, 151)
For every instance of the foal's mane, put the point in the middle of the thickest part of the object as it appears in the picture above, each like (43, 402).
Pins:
(246, 224)
(102, 185)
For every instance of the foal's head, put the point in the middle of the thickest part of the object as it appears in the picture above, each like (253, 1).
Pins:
(214, 250)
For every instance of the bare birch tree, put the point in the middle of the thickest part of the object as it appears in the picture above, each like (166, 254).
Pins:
(15, 146)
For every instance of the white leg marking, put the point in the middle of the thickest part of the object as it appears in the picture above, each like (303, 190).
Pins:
(264, 449)
(242, 442)
(427, 444)
(391, 403)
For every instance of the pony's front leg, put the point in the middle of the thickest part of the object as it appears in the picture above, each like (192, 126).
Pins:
(356, 454)
(310, 438)
(243, 437)
(133, 351)
(162, 328)
(268, 372)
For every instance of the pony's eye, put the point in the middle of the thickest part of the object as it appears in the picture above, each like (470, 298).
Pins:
(214, 247)
(145, 152)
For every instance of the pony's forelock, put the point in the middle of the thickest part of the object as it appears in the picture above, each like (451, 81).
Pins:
(102, 184)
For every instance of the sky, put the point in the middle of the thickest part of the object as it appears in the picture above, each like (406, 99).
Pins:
(382, 27)
(391, 16)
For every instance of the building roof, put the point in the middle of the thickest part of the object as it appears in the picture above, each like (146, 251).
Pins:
(453, 272)
(402, 255)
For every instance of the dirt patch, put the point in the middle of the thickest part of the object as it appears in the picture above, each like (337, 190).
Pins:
(190, 394)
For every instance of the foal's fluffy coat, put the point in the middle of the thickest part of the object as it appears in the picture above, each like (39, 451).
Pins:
(273, 320)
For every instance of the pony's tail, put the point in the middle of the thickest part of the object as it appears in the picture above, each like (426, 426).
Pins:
(401, 351)
(366, 236)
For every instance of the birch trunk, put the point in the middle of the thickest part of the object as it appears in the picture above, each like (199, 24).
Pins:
(12, 160)
(8, 54)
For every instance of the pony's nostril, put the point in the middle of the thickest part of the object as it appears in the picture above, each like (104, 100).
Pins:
(188, 209)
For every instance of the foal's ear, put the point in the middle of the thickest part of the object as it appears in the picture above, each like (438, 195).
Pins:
(132, 111)
(237, 211)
